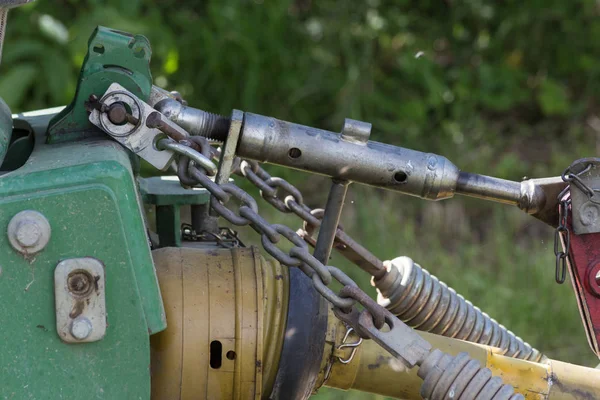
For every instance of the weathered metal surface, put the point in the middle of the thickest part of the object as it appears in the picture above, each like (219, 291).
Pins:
(29, 232)
(374, 370)
(166, 190)
(331, 220)
(584, 269)
(356, 131)
(80, 300)
(112, 56)
(195, 121)
(186, 151)
(87, 192)
(584, 175)
(227, 159)
(267, 139)
(227, 311)
(136, 136)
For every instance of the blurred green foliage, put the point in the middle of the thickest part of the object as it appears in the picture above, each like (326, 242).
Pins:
(503, 88)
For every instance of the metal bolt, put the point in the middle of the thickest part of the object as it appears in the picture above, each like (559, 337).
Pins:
(29, 232)
(589, 213)
(80, 283)
(81, 328)
(117, 113)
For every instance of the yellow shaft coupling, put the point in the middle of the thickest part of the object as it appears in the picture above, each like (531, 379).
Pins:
(373, 370)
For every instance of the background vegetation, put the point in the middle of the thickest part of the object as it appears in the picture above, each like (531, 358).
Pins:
(506, 89)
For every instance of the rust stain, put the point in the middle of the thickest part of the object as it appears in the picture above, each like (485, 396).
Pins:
(77, 309)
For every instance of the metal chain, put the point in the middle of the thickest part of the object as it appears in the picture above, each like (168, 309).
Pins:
(286, 198)
(562, 230)
(246, 213)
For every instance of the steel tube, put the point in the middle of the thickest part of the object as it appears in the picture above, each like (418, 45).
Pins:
(426, 175)
(331, 219)
(487, 187)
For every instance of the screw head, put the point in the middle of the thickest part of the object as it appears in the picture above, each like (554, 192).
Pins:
(29, 232)
(81, 328)
(80, 283)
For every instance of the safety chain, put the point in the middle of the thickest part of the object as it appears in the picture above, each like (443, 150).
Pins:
(286, 198)
(272, 234)
(561, 255)
(564, 203)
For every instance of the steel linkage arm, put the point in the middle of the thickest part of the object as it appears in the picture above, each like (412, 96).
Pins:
(350, 156)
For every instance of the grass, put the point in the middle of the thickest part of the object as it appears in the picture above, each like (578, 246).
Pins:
(495, 255)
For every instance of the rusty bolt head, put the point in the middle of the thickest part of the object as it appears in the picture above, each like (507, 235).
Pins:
(81, 328)
(80, 283)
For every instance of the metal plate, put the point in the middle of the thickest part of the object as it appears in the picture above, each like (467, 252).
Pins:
(138, 138)
(80, 300)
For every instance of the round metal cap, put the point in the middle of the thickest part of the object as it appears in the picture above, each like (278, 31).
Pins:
(29, 232)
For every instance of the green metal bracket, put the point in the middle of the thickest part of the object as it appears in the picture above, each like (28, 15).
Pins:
(113, 56)
(168, 196)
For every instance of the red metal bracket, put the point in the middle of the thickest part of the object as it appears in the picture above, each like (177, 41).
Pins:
(584, 267)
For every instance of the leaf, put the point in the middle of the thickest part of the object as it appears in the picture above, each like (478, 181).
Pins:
(552, 98)
(16, 82)
(58, 75)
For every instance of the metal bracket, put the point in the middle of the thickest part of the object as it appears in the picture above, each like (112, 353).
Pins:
(136, 137)
(400, 340)
(112, 56)
(356, 131)
(79, 290)
(585, 207)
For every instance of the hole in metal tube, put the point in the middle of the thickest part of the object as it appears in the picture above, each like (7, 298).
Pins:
(400, 177)
(294, 153)
(230, 355)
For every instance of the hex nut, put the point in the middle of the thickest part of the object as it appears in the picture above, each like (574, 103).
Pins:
(81, 328)
(29, 232)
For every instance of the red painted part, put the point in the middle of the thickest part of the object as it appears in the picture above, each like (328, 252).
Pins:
(584, 265)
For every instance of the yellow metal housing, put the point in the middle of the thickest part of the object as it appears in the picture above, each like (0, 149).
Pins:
(226, 314)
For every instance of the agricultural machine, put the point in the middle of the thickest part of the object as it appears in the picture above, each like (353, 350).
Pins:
(103, 299)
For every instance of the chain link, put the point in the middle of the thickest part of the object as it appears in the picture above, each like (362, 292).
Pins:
(299, 256)
(562, 230)
(288, 199)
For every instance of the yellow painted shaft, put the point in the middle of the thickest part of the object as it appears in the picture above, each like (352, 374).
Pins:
(373, 370)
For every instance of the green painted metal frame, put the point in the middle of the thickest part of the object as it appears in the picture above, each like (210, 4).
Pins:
(113, 56)
(87, 191)
(166, 193)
